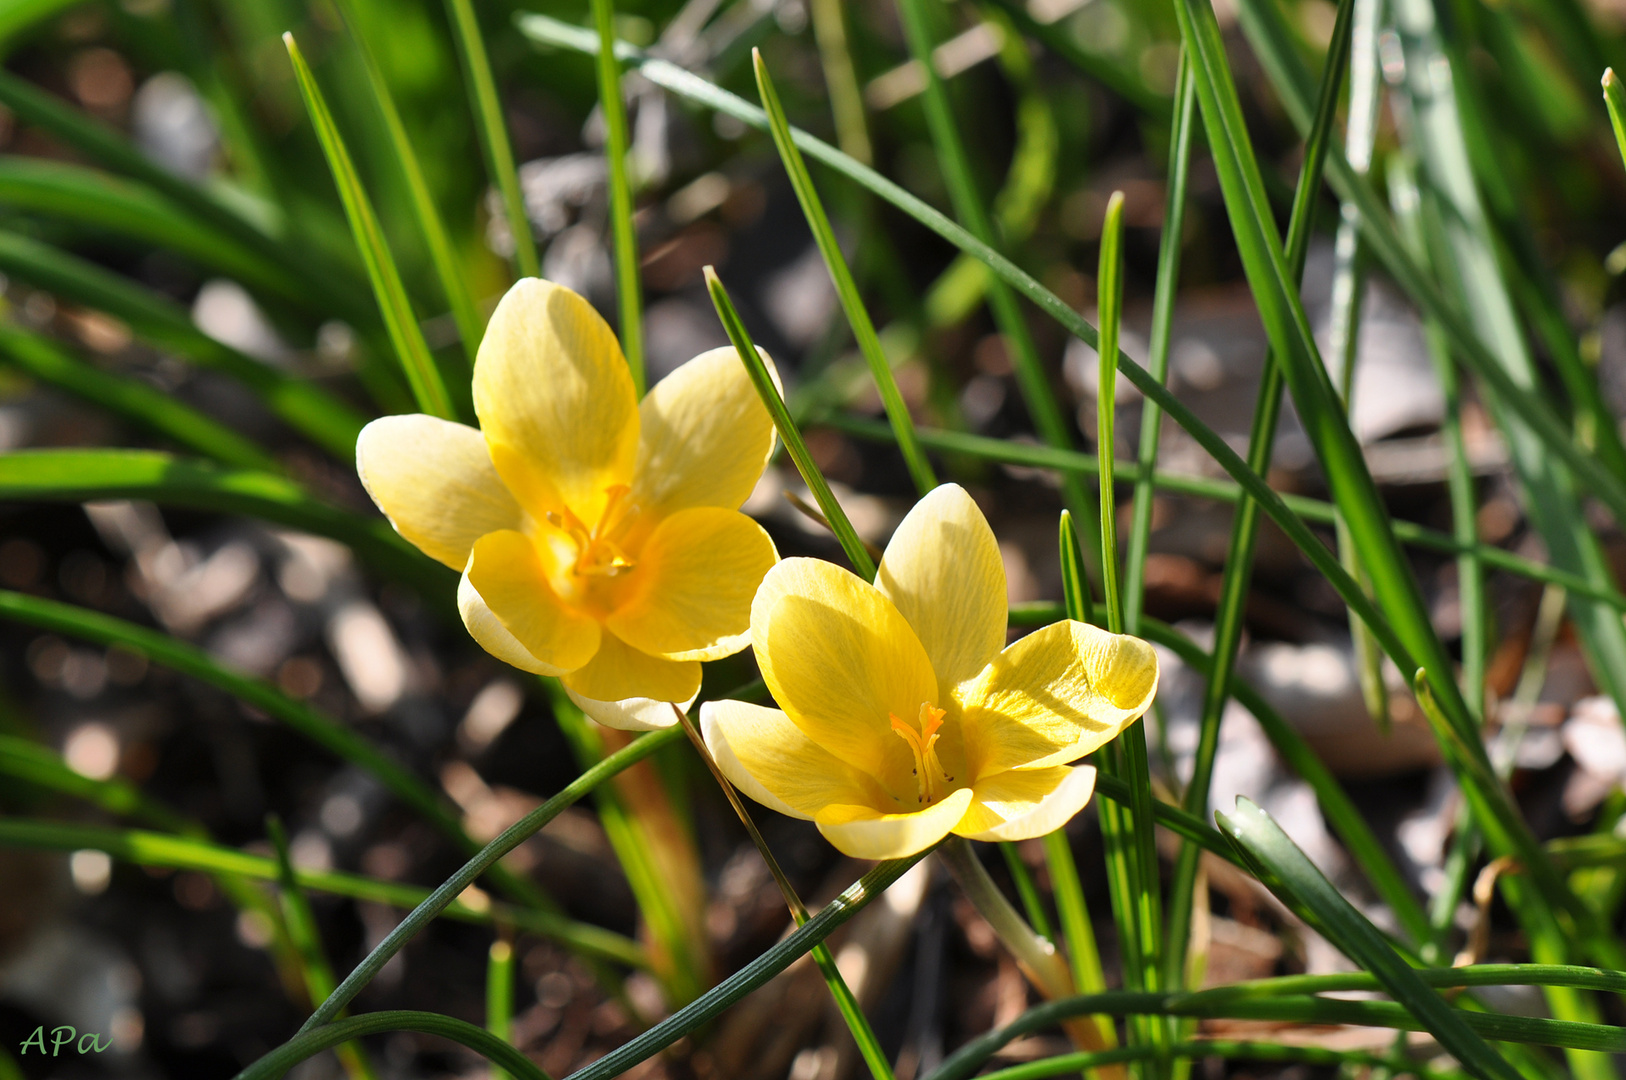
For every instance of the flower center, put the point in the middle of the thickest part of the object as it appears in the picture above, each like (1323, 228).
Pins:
(923, 745)
(598, 551)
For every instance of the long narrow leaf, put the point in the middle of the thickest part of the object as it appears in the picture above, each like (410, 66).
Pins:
(131, 399)
(410, 347)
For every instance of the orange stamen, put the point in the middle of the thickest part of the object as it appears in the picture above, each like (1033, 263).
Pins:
(923, 747)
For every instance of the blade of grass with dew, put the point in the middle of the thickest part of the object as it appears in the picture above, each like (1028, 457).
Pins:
(1157, 350)
(451, 274)
(1230, 612)
(897, 411)
(1306, 511)
(44, 360)
(1296, 881)
(1143, 965)
(500, 995)
(89, 475)
(552, 32)
(668, 893)
(1041, 399)
(319, 728)
(1355, 492)
(308, 1044)
(306, 408)
(449, 890)
(107, 204)
(162, 850)
(493, 132)
(299, 922)
(623, 230)
(411, 350)
(851, 544)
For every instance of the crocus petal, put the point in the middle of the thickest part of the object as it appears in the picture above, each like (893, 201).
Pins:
(767, 757)
(631, 690)
(689, 597)
(434, 481)
(705, 436)
(1020, 804)
(511, 610)
(865, 833)
(1054, 696)
(840, 660)
(555, 400)
(943, 571)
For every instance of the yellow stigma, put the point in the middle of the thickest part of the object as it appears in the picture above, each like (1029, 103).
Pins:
(597, 553)
(923, 745)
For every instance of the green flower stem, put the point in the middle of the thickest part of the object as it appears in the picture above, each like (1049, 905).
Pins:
(500, 995)
(869, 1047)
(1037, 957)
(628, 287)
(851, 543)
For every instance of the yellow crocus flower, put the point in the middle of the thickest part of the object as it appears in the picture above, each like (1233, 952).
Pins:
(903, 717)
(599, 538)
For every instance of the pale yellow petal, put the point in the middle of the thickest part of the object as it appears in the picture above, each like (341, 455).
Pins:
(767, 757)
(705, 436)
(865, 833)
(689, 596)
(555, 400)
(1054, 696)
(840, 660)
(631, 690)
(943, 571)
(511, 610)
(434, 481)
(1020, 804)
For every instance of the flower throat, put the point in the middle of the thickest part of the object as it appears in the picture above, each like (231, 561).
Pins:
(923, 745)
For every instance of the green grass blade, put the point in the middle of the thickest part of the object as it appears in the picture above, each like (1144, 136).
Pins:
(841, 80)
(43, 359)
(1353, 487)
(897, 412)
(319, 728)
(552, 32)
(1294, 879)
(1614, 99)
(1306, 510)
(1157, 350)
(851, 543)
(1238, 574)
(500, 995)
(194, 853)
(1042, 401)
(88, 475)
(624, 233)
(493, 132)
(405, 335)
(1109, 305)
(452, 275)
(1222, 1048)
(107, 204)
(23, 759)
(310, 1043)
(306, 408)
(1345, 820)
(299, 922)
(486, 858)
(1272, 42)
